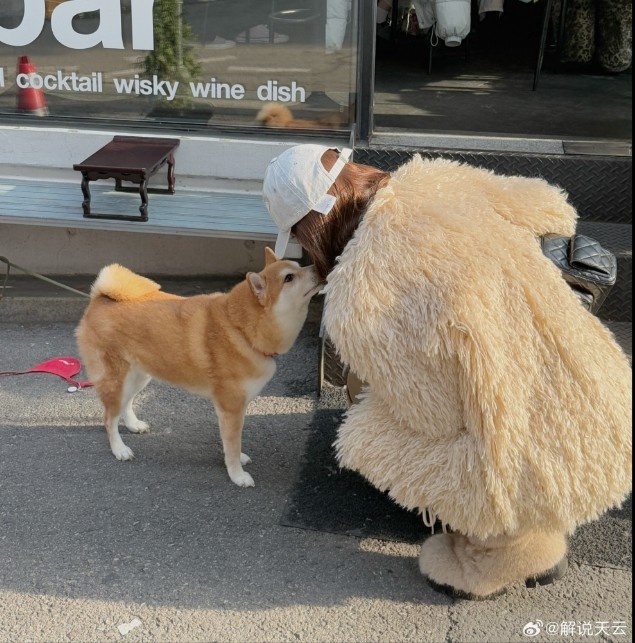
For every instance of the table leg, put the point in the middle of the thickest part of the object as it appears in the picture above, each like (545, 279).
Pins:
(118, 184)
(171, 171)
(86, 193)
(143, 192)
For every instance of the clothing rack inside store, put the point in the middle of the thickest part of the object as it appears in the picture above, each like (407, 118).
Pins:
(542, 42)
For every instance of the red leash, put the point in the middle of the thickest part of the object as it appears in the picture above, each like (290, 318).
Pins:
(64, 367)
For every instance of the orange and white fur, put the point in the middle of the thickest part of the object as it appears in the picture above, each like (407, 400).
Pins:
(220, 346)
(278, 115)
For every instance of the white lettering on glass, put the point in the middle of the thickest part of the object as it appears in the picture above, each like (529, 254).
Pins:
(61, 82)
(146, 87)
(108, 33)
(281, 93)
(215, 89)
(142, 26)
(30, 27)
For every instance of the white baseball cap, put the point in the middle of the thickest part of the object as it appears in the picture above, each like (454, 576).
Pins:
(295, 183)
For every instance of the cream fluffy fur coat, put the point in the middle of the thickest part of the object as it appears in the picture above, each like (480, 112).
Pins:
(495, 399)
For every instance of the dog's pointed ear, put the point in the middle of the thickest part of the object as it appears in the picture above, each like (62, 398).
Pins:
(258, 286)
(270, 256)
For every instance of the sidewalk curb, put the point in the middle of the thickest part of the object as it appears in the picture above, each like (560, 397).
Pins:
(23, 310)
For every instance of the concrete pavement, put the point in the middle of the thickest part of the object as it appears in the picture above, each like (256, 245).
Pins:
(166, 548)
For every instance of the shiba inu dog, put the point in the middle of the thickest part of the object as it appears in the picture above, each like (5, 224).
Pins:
(220, 346)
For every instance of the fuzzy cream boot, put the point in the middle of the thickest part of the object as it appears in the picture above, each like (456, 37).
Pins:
(469, 568)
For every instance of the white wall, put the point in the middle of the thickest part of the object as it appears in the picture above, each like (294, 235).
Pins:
(64, 251)
(218, 163)
(198, 158)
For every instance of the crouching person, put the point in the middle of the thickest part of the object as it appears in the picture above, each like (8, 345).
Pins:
(495, 401)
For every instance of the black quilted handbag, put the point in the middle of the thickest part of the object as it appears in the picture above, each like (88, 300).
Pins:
(586, 266)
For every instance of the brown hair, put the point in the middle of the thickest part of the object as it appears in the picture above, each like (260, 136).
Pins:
(324, 236)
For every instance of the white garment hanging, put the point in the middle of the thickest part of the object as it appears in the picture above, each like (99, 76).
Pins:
(485, 6)
(452, 20)
(336, 20)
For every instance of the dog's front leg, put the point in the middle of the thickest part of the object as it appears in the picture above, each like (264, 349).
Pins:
(231, 427)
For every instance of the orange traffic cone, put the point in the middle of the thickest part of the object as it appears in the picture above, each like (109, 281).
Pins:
(30, 98)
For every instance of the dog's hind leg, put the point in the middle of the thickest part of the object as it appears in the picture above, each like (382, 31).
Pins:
(117, 446)
(110, 387)
(231, 422)
(136, 380)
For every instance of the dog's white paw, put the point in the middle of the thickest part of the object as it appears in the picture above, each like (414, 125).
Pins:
(138, 426)
(242, 479)
(123, 453)
(245, 459)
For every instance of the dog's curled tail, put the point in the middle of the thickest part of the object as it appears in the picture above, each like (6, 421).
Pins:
(119, 283)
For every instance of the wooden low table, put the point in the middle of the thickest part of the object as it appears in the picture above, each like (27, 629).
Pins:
(128, 158)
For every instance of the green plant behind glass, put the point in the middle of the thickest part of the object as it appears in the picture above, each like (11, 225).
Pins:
(172, 58)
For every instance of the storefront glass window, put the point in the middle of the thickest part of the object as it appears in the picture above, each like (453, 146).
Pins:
(179, 64)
